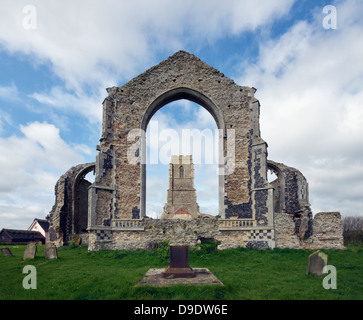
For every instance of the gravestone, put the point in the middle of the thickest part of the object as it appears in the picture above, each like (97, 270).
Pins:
(316, 263)
(51, 251)
(179, 266)
(30, 251)
(6, 252)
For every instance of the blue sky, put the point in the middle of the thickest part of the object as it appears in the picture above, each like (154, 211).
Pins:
(53, 76)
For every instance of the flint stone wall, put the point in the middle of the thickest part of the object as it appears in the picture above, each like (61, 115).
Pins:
(247, 201)
(62, 216)
(131, 106)
(327, 232)
(188, 232)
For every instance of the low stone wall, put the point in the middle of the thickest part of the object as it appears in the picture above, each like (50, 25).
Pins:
(327, 232)
(285, 236)
(188, 232)
(147, 233)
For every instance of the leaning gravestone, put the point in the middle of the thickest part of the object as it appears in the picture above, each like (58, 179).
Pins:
(317, 261)
(51, 251)
(6, 252)
(30, 251)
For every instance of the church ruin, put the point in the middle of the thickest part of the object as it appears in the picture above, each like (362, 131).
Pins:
(111, 212)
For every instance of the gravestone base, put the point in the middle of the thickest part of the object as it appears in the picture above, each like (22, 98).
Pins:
(202, 276)
(178, 273)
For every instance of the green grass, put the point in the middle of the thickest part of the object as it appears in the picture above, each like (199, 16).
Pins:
(277, 274)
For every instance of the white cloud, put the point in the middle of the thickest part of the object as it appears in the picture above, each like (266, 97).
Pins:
(89, 106)
(91, 45)
(9, 93)
(5, 118)
(31, 165)
(92, 41)
(309, 85)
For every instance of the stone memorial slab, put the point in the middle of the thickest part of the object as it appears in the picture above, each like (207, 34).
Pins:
(30, 251)
(6, 252)
(316, 263)
(51, 251)
(202, 276)
(179, 266)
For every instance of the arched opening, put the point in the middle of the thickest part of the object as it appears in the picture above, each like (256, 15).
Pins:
(276, 178)
(80, 199)
(180, 101)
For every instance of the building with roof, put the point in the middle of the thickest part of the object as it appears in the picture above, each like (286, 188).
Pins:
(11, 236)
(42, 226)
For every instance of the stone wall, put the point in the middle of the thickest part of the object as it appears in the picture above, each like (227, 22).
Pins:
(327, 232)
(291, 196)
(66, 217)
(128, 108)
(152, 231)
(252, 211)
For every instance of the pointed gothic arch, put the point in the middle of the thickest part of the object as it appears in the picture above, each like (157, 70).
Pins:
(119, 191)
(201, 99)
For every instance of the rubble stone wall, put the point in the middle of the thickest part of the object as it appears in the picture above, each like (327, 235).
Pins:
(63, 215)
(252, 211)
(327, 233)
(178, 232)
(128, 108)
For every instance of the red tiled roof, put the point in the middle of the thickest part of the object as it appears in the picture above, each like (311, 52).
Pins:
(182, 211)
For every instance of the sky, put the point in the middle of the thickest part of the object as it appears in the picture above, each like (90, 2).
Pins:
(58, 57)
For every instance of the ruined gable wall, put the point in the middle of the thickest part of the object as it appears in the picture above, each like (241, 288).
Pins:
(124, 109)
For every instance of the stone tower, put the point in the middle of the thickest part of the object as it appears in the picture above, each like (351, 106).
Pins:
(181, 197)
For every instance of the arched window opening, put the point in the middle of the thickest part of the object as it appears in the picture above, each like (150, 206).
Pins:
(276, 179)
(80, 202)
(182, 127)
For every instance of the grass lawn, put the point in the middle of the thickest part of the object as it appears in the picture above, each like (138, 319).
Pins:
(277, 274)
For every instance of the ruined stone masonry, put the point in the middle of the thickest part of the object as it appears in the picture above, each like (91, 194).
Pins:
(111, 212)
